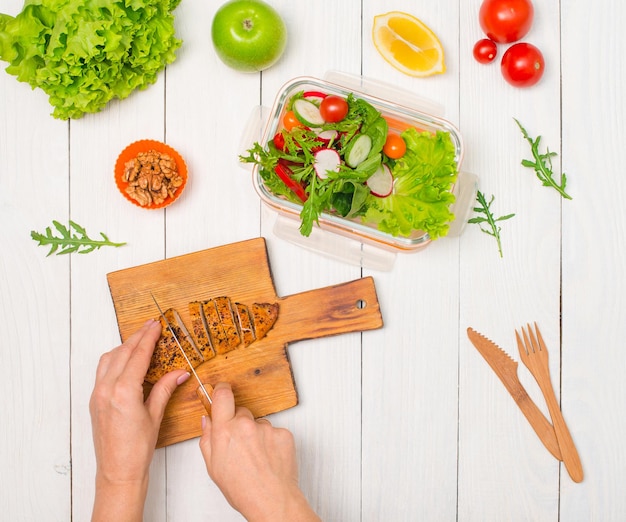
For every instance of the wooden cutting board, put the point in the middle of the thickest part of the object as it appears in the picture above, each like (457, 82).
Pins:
(260, 374)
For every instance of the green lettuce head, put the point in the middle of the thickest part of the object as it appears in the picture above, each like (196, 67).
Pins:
(84, 53)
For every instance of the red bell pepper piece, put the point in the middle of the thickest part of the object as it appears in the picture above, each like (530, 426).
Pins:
(285, 174)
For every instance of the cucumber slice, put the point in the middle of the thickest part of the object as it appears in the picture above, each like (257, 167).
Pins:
(358, 150)
(307, 113)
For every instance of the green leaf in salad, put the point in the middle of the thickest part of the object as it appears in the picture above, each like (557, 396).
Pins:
(349, 197)
(372, 122)
(70, 239)
(487, 217)
(542, 164)
(84, 53)
(421, 196)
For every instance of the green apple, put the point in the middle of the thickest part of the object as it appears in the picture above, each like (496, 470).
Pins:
(248, 35)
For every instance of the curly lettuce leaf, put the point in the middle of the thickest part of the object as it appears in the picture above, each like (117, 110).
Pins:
(84, 53)
(421, 195)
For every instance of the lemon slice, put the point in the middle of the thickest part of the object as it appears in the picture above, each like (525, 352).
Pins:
(407, 44)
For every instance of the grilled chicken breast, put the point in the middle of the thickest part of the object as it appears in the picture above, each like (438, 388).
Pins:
(218, 326)
(167, 355)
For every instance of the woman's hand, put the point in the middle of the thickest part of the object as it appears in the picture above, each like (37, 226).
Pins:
(252, 463)
(125, 428)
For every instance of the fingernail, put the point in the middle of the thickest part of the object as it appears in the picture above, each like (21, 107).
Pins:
(183, 378)
(203, 422)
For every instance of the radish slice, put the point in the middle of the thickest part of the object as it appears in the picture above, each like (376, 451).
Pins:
(327, 135)
(381, 182)
(326, 160)
(307, 113)
(314, 96)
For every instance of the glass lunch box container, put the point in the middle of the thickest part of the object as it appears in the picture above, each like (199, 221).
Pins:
(352, 240)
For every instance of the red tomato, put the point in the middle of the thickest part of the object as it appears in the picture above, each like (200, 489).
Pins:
(290, 121)
(279, 141)
(506, 21)
(522, 65)
(395, 146)
(333, 109)
(485, 50)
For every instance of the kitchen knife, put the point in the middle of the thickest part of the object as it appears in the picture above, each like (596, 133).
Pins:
(205, 393)
(506, 370)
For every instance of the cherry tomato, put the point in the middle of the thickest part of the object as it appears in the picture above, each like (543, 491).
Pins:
(485, 50)
(333, 109)
(506, 21)
(290, 121)
(395, 146)
(279, 141)
(522, 65)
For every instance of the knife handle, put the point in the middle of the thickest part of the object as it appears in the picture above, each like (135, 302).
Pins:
(205, 402)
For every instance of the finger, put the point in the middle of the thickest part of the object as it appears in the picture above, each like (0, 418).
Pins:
(139, 359)
(103, 365)
(205, 439)
(223, 407)
(113, 363)
(242, 411)
(162, 391)
(263, 420)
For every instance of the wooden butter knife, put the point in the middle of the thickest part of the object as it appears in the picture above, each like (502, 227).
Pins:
(506, 370)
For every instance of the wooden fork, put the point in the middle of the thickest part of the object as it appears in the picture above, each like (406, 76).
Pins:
(534, 355)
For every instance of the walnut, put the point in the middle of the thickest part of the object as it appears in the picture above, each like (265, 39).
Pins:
(131, 170)
(152, 177)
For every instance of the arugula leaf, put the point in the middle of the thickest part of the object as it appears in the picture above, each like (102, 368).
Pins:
(488, 217)
(542, 164)
(84, 53)
(69, 242)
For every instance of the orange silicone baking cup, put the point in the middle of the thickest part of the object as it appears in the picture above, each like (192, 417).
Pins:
(131, 152)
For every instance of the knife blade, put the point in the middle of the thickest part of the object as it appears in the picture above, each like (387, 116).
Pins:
(205, 393)
(506, 370)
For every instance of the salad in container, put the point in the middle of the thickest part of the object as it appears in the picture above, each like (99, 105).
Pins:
(337, 158)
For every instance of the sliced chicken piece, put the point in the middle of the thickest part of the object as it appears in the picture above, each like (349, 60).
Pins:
(264, 315)
(215, 328)
(167, 355)
(199, 331)
(244, 323)
(227, 318)
(181, 332)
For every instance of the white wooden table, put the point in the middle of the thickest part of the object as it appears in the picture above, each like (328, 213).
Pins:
(406, 423)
